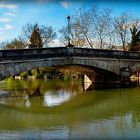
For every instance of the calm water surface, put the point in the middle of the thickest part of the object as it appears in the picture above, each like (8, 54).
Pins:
(40, 109)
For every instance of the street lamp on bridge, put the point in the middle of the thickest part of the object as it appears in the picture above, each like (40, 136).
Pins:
(69, 32)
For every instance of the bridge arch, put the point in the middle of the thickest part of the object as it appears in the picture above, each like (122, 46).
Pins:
(17, 67)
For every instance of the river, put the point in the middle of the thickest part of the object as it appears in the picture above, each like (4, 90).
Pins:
(41, 109)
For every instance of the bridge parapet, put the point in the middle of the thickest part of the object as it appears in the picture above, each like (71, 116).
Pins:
(63, 52)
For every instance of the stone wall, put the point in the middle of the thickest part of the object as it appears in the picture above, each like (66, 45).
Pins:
(13, 62)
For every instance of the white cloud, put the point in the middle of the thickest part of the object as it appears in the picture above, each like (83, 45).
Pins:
(8, 6)
(5, 20)
(6, 27)
(56, 43)
(65, 4)
(2, 38)
(42, 1)
(10, 14)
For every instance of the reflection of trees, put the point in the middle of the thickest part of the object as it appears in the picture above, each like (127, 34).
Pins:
(106, 104)
(135, 118)
(119, 109)
(31, 93)
(36, 92)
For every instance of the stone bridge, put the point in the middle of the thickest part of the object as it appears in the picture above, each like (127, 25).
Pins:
(108, 64)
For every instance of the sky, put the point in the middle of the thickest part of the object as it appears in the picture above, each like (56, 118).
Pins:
(14, 14)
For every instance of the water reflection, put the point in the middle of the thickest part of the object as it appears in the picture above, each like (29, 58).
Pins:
(43, 109)
(60, 97)
(28, 92)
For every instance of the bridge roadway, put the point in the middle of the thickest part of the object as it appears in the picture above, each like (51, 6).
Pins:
(106, 62)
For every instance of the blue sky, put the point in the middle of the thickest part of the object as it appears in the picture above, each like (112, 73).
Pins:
(14, 14)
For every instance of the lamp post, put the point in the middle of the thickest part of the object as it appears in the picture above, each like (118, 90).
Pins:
(69, 31)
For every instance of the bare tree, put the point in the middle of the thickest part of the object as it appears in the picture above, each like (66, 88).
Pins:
(121, 25)
(102, 26)
(94, 25)
(90, 27)
(80, 26)
(13, 44)
(75, 38)
(84, 20)
(47, 33)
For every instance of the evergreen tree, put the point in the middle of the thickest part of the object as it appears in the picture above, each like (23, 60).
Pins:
(35, 40)
(135, 39)
(33, 32)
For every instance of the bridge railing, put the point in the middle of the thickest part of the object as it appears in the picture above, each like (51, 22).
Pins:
(32, 53)
(41, 53)
(106, 53)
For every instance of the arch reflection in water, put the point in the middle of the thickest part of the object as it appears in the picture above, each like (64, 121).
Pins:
(41, 93)
(109, 114)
